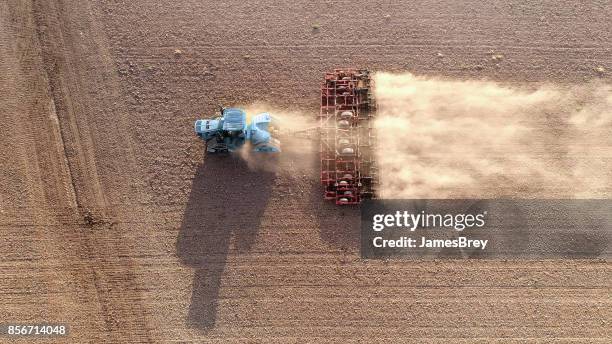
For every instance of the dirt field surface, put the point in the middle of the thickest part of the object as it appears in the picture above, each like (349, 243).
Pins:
(112, 220)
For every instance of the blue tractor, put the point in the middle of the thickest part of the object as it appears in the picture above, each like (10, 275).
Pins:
(229, 132)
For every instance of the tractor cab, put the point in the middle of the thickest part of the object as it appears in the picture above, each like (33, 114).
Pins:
(234, 121)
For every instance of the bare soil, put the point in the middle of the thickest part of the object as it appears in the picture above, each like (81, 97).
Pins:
(113, 221)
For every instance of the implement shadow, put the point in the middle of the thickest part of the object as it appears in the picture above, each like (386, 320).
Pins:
(339, 225)
(225, 206)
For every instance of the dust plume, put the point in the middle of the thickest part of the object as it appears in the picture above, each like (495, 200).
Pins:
(285, 120)
(443, 138)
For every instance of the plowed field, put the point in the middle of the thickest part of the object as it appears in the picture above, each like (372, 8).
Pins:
(113, 221)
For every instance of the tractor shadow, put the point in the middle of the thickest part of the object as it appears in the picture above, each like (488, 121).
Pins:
(222, 216)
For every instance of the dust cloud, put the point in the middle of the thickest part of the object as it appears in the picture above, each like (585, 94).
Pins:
(442, 138)
(286, 121)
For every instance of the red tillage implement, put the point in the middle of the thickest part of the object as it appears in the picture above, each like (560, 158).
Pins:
(348, 168)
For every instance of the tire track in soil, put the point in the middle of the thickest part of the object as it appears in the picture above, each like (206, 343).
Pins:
(40, 278)
(100, 242)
